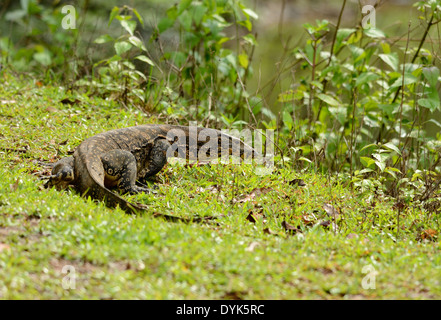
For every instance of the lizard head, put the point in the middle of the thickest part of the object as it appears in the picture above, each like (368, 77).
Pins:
(61, 178)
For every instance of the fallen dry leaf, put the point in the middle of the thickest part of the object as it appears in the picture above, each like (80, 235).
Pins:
(70, 102)
(298, 182)
(14, 186)
(4, 246)
(253, 217)
(325, 223)
(51, 109)
(290, 228)
(252, 246)
(331, 211)
(212, 189)
(268, 231)
(309, 220)
(253, 194)
(429, 234)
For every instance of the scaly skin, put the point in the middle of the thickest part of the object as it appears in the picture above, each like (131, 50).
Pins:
(121, 157)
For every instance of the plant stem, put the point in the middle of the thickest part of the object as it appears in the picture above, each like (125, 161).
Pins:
(325, 83)
(423, 39)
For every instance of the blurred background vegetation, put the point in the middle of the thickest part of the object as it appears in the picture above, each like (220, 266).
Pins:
(360, 102)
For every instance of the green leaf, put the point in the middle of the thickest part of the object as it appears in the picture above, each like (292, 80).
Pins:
(129, 25)
(367, 162)
(250, 39)
(392, 171)
(186, 20)
(305, 159)
(113, 14)
(328, 99)
(250, 13)
(15, 15)
(287, 96)
(145, 59)
(388, 108)
(381, 160)
(103, 39)
(198, 12)
(368, 146)
(434, 122)
(408, 79)
(366, 77)
(138, 16)
(137, 43)
(429, 103)
(391, 146)
(267, 112)
(164, 24)
(121, 47)
(344, 33)
(386, 47)
(380, 165)
(357, 53)
(339, 113)
(391, 59)
(374, 33)
(243, 60)
(183, 5)
(43, 57)
(247, 24)
(431, 74)
(287, 119)
(114, 58)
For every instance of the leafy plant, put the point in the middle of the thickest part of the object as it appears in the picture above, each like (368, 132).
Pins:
(361, 91)
(36, 42)
(118, 74)
(210, 64)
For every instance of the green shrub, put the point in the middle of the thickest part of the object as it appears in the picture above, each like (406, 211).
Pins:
(363, 103)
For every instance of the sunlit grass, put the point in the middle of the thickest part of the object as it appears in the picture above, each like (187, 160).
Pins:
(247, 254)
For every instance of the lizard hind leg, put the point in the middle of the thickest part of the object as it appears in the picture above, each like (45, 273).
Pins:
(120, 171)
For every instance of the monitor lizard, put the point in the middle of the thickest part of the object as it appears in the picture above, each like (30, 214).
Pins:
(122, 157)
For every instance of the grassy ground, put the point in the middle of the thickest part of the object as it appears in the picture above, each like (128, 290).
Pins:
(273, 240)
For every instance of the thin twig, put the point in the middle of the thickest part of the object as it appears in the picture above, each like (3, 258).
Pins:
(325, 83)
(423, 39)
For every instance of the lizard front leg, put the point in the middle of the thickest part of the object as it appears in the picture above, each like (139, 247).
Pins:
(156, 159)
(62, 174)
(120, 171)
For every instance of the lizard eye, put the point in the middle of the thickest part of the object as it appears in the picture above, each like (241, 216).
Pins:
(110, 171)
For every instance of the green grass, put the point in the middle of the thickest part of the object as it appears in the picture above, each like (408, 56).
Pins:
(119, 256)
